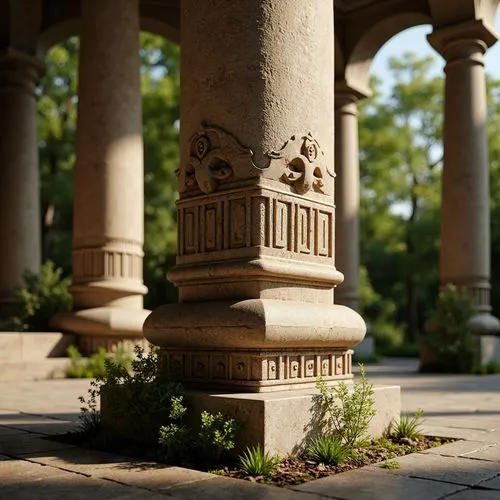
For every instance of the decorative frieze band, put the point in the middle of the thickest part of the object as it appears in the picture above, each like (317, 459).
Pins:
(101, 263)
(256, 219)
(258, 368)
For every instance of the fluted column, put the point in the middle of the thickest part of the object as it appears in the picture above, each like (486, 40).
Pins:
(108, 206)
(347, 193)
(19, 184)
(465, 212)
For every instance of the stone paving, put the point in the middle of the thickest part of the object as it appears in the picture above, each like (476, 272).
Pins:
(465, 407)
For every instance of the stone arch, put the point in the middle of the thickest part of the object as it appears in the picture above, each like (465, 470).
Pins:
(358, 64)
(57, 33)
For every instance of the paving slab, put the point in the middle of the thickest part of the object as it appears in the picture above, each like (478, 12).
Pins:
(17, 472)
(491, 452)
(458, 448)
(76, 487)
(475, 494)
(455, 433)
(36, 423)
(457, 470)
(120, 469)
(26, 444)
(362, 484)
(493, 484)
(225, 488)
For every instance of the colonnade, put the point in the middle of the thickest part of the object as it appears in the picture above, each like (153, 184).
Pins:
(252, 108)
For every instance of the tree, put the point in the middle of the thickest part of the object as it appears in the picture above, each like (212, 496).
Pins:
(400, 159)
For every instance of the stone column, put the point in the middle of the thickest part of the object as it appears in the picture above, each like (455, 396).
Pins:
(19, 186)
(465, 212)
(347, 193)
(347, 200)
(255, 265)
(109, 185)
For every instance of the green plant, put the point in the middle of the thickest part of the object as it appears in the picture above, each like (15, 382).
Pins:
(488, 369)
(42, 296)
(256, 462)
(174, 436)
(408, 426)
(95, 366)
(391, 464)
(217, 435)
(328, 450)
(450, 344)
(347, 413)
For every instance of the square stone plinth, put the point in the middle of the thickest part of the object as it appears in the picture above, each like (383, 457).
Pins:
(282, 422)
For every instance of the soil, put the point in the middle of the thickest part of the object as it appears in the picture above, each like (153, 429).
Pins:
(290, 471)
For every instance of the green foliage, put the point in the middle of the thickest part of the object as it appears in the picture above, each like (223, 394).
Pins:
(391, 464)
(328, 450)
(95, 366)
(408, 426)
(217, 435)
(347, 413)
(256, 462)
(42, 296)
(449, 339)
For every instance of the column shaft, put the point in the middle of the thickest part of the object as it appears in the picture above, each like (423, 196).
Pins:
(19, 183)
(109, 185)
(465, 212)
(347, 198)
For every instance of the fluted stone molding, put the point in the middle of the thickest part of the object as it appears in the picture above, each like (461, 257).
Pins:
(347, 193)
(256, 264)
(465, 211)
(19, 182)
(109, 185)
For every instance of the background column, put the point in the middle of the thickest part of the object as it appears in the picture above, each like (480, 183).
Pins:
(465, 212)
(19, 184)
(347, 187)
(108, 207)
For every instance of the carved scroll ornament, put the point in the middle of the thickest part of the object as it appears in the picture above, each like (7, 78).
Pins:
(215, 156)
(301, 163)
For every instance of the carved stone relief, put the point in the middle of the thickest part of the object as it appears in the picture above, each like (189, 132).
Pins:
(258, 368)
(301, 163)
(217, 156)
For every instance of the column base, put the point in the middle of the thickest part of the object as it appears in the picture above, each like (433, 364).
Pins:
(485, 323)
(102, 326)
(255, 345)
(283, 423)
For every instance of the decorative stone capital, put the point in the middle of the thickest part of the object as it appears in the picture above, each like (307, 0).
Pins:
(346, 96)
(468, 40)
(19, 70)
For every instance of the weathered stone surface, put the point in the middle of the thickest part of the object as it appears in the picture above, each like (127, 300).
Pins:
(458, 448)
(362, 484)
(491, 452)
(461, 471)
(474, 495)
(224, 488)
(493, 484)
(25, 444)
(36, 424)
(18, 472)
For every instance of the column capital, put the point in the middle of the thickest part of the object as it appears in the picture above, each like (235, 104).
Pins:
(346, 94)
(19, 70)
(468, 40)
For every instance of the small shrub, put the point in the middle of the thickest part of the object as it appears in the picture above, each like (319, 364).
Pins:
(347, 413)
(217, 435)
(256, 462)
(328, 450)
(391, 464)
(408, 426)
(42, 297)
(449, 339)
